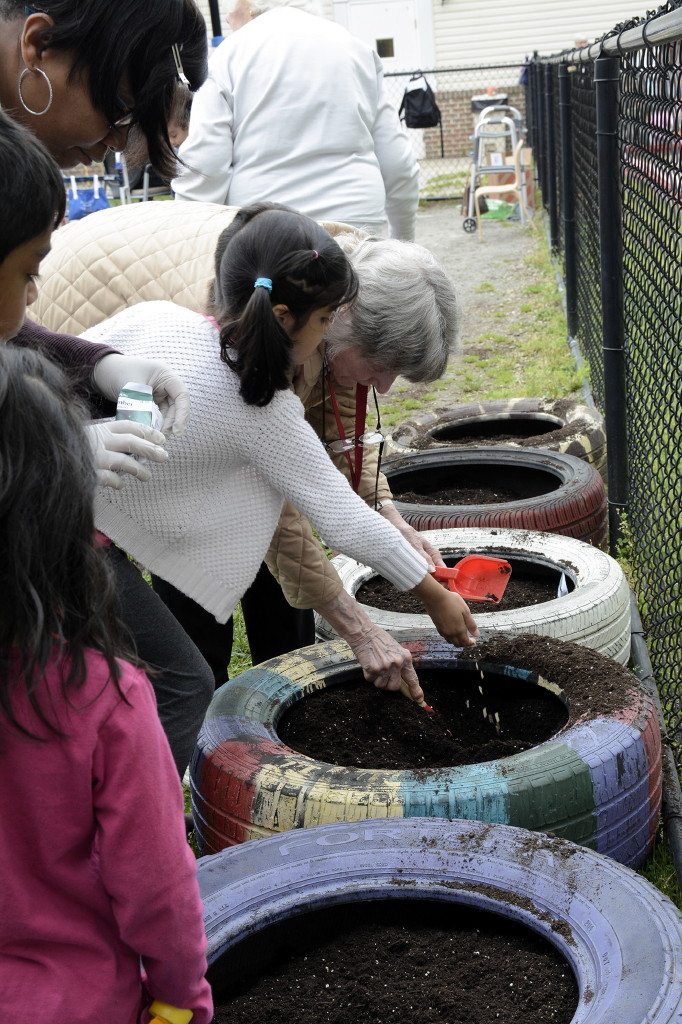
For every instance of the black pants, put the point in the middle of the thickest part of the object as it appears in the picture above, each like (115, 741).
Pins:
(183, 682)
(273, 627)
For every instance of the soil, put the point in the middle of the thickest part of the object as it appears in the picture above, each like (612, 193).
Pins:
(396, 962)
(525, 586)
(463, 494)
(358, 726)
(362, 727)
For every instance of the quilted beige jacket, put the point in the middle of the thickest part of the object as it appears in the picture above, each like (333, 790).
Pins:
(164, 250)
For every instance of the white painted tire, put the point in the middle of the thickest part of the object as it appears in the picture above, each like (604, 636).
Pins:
(595, 614)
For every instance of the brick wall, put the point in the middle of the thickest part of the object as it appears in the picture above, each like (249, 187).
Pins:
(458, 121)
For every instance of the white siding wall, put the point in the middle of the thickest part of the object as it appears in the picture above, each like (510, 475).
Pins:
(472, 32)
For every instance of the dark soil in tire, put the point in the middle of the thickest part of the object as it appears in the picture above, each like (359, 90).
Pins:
(361, 727)
(527, 585)
(356, 725)
(395, 962)
(469, 490)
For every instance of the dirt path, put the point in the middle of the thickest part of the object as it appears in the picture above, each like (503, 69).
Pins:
(498, 260)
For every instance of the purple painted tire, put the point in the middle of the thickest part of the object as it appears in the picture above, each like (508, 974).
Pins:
(620, 935)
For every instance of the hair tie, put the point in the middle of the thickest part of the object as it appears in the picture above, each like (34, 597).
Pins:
(315, 254)
(263, 282)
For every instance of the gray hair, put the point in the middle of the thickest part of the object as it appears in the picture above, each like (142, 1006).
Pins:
(261, 6)
(406, 317)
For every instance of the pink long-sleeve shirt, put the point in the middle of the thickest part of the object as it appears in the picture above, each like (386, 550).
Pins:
(96, 875)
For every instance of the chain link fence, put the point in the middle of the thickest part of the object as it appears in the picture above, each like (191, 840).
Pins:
(613, 197)
(444, 153)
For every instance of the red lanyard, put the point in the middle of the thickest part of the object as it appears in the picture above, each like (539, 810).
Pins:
(360, 417)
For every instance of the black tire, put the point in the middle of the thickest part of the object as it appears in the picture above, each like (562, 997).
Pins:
(595, 614)
(561, 425)
(558, 493)
(596, 782)
(619, 934)
(469, 225)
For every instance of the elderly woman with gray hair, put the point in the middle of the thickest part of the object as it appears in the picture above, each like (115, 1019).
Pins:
(405, 320)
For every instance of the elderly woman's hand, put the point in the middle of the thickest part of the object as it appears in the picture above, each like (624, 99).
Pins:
(417, 540)
(383, 661)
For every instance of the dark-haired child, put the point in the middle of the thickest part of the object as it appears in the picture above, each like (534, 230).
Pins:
(98, 880)
(204, 523)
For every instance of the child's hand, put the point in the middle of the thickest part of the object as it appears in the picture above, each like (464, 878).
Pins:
(114, 442)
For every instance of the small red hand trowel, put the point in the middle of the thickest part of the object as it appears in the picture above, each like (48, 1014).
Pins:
(476, 577)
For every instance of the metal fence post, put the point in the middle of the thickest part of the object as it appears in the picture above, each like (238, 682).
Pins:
(542, 127)
(550, 171)
(214, 11)
(568, 199)
(606, 76)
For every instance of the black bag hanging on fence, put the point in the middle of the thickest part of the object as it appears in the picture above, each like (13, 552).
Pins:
(418, 108)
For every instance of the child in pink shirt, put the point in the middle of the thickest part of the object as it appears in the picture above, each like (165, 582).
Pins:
(99, 907)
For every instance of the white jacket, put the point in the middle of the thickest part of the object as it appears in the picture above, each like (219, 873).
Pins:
(294, 111)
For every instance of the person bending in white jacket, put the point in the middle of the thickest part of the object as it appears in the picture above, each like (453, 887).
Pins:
(294, 111)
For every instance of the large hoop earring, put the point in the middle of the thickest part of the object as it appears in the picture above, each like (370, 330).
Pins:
(36, 113)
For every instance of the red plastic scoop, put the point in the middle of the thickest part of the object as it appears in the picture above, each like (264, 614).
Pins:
(476, 577)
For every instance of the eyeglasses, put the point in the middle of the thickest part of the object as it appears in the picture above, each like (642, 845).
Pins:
(179, 70)
(125, 120)
(346, 444)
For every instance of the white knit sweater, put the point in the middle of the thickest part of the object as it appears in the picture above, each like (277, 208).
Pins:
(205, 519)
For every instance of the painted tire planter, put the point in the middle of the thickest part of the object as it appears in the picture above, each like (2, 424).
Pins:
(558, 493)
(596, 613)
(596, 782)
(561, 425)
(619, 934)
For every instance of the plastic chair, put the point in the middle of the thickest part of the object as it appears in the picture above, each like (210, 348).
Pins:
(517, 187)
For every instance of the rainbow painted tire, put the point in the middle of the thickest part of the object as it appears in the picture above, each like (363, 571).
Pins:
(558, 493)
(596, 612)
(557, 424)
(619, 934)
(597, 782)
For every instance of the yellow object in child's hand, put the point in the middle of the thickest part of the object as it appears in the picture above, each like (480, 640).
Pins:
(166, 1014)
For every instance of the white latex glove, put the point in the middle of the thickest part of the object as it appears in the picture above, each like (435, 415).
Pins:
(170, 393)
(417, 540)
(111, 442)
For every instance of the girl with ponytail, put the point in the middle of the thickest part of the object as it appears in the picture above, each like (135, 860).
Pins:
(279, 278)
(205, 520)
